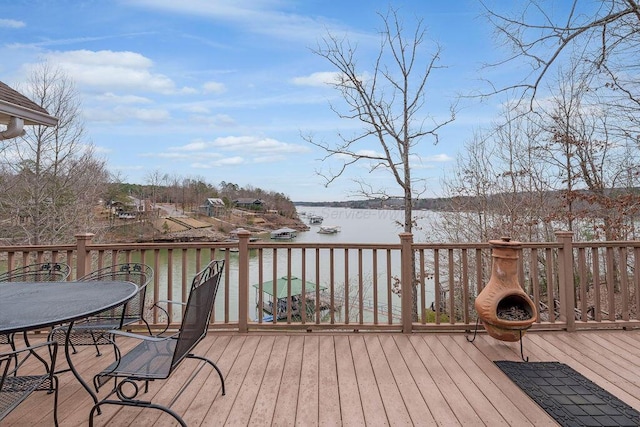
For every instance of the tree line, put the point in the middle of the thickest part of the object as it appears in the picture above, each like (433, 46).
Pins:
(53, 184)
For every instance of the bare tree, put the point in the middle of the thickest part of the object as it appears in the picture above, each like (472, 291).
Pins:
(156, 179)
(603, 35)
(53, 179)
(593, 163)
(498, 185)
(389, 102)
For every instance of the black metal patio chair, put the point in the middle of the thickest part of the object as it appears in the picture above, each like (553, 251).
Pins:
(16, 387)
(40, 272)
(155, 358)
(95, 330)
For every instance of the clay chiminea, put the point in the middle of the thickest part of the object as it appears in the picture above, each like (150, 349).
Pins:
(504, 308)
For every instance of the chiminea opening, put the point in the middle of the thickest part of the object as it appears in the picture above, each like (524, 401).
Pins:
(514, 308)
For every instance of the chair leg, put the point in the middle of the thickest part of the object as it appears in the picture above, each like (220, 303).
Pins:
(55, 401)
(194, 356)
(135, 403)
(95, 343)
(148, 327)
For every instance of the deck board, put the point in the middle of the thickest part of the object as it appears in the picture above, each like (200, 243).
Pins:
(328, 392)
(351, 379)
(370, 386)
(351, 404)
(307, 409)
(461, 408)
(436, 403)
(287, 399)
(264, 405)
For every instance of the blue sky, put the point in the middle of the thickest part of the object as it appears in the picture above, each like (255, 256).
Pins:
(223, 90)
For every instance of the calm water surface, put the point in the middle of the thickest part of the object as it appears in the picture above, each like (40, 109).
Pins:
(361, 225)
(357, 226)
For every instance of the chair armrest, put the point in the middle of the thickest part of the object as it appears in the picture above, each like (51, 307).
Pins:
(168, 301)
(29, 348)
(21, 355)
(164, 310)
(153, 338)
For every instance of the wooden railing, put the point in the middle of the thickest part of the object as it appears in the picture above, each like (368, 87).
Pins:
(397, 287)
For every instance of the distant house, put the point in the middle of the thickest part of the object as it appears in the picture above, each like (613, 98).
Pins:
(213, 207)
(249, 203)
(16, 111)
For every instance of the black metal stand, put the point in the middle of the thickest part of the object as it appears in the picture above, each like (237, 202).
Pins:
(521, 352)
(475, 333)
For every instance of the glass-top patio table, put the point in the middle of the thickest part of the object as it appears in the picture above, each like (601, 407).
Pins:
(26, 306)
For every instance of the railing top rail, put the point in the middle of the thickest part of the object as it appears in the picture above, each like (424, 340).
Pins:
(607, 244)
(37, 248)
(294, 245)
(525, 245)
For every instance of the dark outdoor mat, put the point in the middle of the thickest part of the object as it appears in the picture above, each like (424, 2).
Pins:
(567, 396)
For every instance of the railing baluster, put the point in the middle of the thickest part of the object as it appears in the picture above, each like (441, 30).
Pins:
(367, 298)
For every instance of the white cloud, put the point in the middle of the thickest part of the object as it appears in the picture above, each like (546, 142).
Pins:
(122, 99)
(193, 146)
(269, 159)
(229, 161)
(439, 158)
(150, 115)
(114, 70)
(217, 120)
(267, 17)
(254, 144)
(197, 109)
(369, 153)
(321, 78)
(214, 87)
(121, 114)
(11, 23)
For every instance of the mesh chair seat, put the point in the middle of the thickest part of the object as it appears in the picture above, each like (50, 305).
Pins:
(15, 388)
(149, 360)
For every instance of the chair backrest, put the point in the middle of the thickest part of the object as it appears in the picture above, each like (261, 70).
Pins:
(137, 273)
(41, 272)
(195, 321)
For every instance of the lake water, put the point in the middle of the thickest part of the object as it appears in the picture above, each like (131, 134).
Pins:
(357, 226)
(361, 225)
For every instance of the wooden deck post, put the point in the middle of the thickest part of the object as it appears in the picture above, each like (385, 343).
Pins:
(406, 281)
(83, 242)
(566, 292)
(243, 281)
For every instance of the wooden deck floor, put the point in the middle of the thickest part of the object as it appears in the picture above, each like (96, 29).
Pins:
(355, 379)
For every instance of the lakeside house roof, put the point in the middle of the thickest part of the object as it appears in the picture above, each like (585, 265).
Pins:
(13, 104)
(214, 201)
(247, 201)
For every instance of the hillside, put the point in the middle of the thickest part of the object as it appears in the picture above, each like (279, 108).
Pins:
(172, 225)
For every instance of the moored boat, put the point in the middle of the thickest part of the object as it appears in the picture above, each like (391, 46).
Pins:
(284, 234)
(315, 219)
(329, 229)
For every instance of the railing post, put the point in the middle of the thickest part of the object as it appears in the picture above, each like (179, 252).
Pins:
(566, 292)
(406, 281)
(243, 281)
(83, 242)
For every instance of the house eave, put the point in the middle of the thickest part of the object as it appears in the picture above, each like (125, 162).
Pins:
(30, 117)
